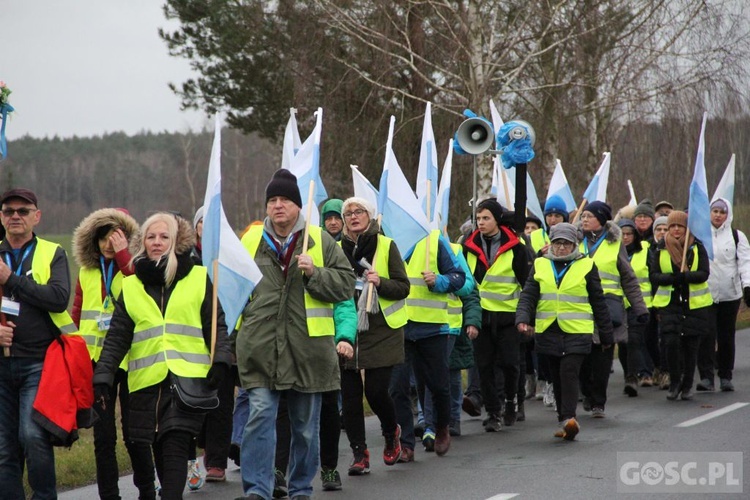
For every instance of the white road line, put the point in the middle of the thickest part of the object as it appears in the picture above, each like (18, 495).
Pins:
(713, 414)
(504, 496)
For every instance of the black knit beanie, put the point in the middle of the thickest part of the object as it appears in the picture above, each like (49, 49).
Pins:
(284, 183)
(495, 208)
(601, 211)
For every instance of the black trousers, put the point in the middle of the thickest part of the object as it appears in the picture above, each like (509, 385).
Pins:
(635, 363)
(716, 349)
(497, 346)
(330, 432)
(565, 381)
(216, 434)
(105, 442)
(375, 389)
(595, 375)
(170, 457)
(682, 357)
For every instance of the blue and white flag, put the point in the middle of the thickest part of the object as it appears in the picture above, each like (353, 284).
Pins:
(238, 273)
(403, 218)
(306, 166)
(503, 181)
(427, 173)
(597, 190)
(363, 188)
(442, 210)
(292, 141)
(559, 186)
(725, 189)
(532, 200)
(699, 209)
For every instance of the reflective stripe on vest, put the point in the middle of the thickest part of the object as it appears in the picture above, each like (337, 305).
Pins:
(319, 314)
(170, 342)
(698, 293)
(605, 259)
(394, 311)
(92, 309)
(568, 304)
(423, 305)
(41, 264)
(499, 290)
(538, 239)
(455, 306)
(639, 263)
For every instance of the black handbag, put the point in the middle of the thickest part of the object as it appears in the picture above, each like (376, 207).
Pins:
(193, 394)
(616, 309)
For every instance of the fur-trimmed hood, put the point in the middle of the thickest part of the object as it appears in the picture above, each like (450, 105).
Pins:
(185, 238)
(85, 246)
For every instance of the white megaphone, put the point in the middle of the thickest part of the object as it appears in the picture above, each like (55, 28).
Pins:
(475, 136)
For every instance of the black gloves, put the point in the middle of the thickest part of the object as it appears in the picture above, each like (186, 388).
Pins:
(679, 278)
(643, 318)
(217, 374)
(747, 296)
(101, 395)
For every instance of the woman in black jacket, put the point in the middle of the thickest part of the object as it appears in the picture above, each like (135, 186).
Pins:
(164, 273)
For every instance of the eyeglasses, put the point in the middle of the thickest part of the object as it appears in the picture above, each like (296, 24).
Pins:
(23, 212)
(357, 213)
(587, 216)
(562, 244)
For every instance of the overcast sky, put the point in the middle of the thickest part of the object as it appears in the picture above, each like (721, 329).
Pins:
(86, 67)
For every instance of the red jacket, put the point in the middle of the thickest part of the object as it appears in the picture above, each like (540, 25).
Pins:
(65, 395)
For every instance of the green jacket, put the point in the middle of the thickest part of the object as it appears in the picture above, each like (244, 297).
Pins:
(345, 320)
(273, 347)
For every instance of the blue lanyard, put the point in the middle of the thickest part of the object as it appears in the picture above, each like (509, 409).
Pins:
(596, 245)
(20, 264)
(272, 244)
(559, 276)
(107, 276)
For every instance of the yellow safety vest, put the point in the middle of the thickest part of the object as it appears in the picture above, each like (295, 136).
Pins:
(423, 305)
(605, 259)
(394, 311)
(92, 309)
(538, 239)
(569, 303)
(639, 263)
(319, 314)
(170, 342)
(455, 306)
(698, 293)
(499, 290)
(41, 264)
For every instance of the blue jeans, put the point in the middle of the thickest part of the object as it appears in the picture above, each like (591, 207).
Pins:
(259, 441)
(20, 437)
(239, 419)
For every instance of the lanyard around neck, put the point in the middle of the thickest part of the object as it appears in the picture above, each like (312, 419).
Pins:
(26, 253)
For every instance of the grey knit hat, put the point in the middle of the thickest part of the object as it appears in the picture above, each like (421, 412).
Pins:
(564, 231)
(660, 221)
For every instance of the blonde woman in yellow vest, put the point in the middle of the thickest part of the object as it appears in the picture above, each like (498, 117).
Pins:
(560, 305)
(378, 349)
(602, 241)
(163, 318)
(100, 247)
(682, 300)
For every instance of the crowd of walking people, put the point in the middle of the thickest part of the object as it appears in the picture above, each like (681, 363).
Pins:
(342, 317)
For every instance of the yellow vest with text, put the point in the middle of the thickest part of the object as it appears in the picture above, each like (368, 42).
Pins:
(92, 308)
(569, 303)
(499, 290)
(41, 264)
(605, 259)
(170, 342)
(394, 311)
(423, 305)
(319, 314)
(639, 263)
(538, 239)
(698, 293)
(455, 306)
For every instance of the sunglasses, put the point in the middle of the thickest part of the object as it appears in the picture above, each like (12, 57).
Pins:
(23, 212)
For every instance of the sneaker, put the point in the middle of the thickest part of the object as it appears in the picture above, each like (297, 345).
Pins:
(540, 384)
(215, 475)
(726, 385)
(646, 381)
(442, 441)
(509, 417)
(597, 412)
(428, 440)
(392, 450)
(493, 423)
(706, 385)
(280, 489)
(549, 395)
(674, 392)
(194, 479)
(407, 455)
(234, 453)
(631, 387)
(331, 479)
(586, 403)
(530, 386)
(360, 464)
(455, 428)
(665, 382)
(570, 429)
(520, 413)
(471, 406)
(687, 394)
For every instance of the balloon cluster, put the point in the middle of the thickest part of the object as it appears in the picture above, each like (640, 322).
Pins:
(515, 140)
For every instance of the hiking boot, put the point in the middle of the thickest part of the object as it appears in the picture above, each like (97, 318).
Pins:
(280, 489)
(234, 453)
(726, 385)
(493, 423)
(520, 413)
(455, 428)
(194, 478)
(360, 464)
(631, 387)
(442, 441)
(705, 385)
(392, 450)
(407, 455)
(597, 412)
(665, 382)
(471, 406)
(509, 417)
(331, 479)
(646, 381)
(570, 429)
(215, 475)
(428, 440)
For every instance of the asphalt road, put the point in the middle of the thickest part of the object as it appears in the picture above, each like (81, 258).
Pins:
(526, 462)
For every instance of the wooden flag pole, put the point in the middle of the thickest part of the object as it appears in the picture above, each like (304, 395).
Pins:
(578, 211)
(214, 308)
(684, 251)
(310, 194)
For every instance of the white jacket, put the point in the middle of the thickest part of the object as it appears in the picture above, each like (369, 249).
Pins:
(730, 268)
